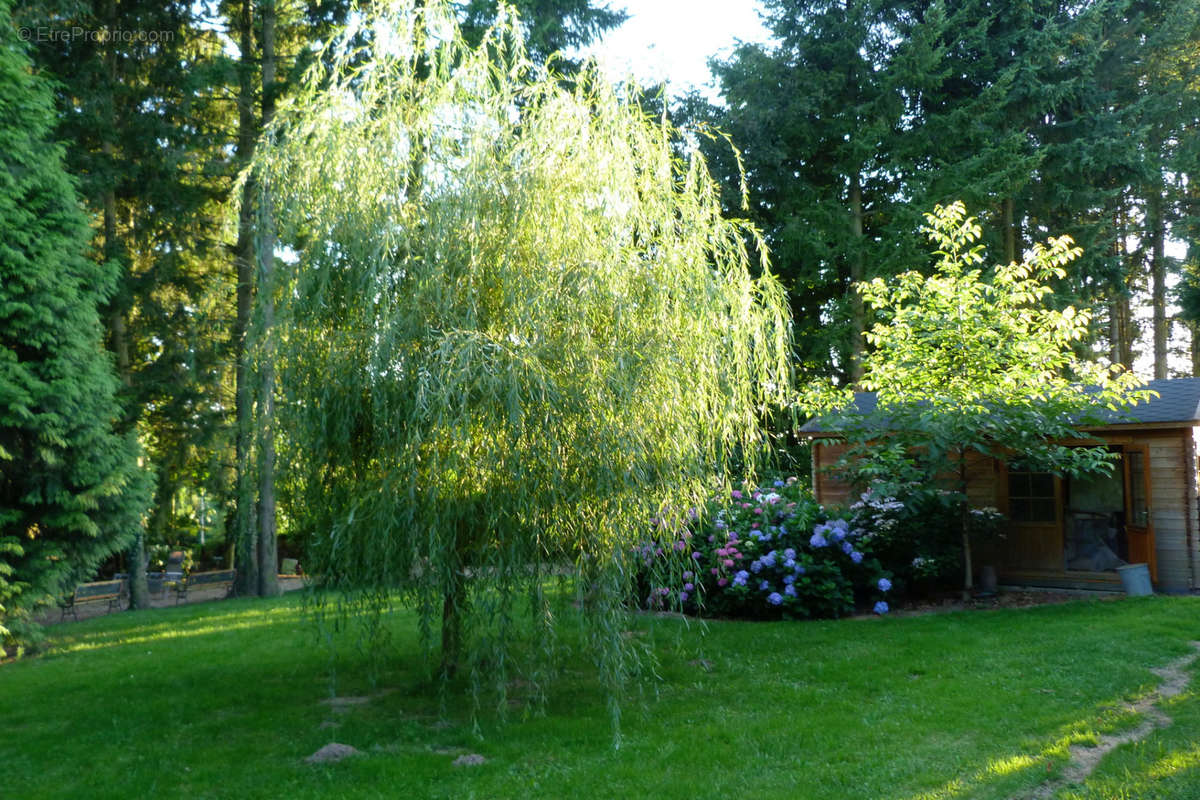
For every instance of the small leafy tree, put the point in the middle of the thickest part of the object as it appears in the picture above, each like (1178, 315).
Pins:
(965, 362)
(518, 326)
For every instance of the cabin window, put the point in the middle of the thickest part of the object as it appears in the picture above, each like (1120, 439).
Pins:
(1139, 509)
(1031, 497)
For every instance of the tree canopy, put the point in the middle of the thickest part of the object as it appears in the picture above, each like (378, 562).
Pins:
(968, 362)
(517, 326)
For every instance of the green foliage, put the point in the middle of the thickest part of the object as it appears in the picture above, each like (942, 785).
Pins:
(517, 322)
(816, 114)
(964, 364)
(766, 552)
(71, 491)
(918, 539)
(551, 27)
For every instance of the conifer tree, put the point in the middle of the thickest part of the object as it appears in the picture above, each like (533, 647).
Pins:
(71, 490)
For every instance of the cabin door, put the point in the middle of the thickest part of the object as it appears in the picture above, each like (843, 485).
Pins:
(1139, 525)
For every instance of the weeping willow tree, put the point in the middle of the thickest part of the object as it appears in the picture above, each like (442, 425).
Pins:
(516, 328)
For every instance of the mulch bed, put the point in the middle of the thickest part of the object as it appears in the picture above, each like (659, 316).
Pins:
(1014, 598)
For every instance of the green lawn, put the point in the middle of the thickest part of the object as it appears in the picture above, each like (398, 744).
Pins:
(224, 700)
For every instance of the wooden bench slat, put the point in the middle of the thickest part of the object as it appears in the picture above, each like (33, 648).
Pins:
(221, 577)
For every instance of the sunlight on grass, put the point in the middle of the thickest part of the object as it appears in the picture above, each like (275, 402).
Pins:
(1175, 763)
(1006, 766)
(175, 628)
(167, 634)
(1045, 764)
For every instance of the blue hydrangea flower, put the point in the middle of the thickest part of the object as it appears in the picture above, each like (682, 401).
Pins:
(789, 553)
(817, 540)
(789, 590)
(762, 587)
(789, 579)
(778, 484)
(791, 562)
(756, 566)
(881, 607)
(799, 570)
(847, 548)
(769, 559)
(774, 598)
(741, 577)
(856, 557)
(884, 584)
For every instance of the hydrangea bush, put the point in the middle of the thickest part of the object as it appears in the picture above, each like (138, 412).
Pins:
(765, 552)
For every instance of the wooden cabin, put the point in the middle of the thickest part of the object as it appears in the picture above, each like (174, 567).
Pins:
(1073, 532)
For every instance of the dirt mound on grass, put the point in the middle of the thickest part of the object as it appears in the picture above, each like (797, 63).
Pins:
(332, 753)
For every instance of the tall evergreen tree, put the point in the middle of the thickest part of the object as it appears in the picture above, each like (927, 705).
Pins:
(145, 128)
(71, 490)
(817, 120)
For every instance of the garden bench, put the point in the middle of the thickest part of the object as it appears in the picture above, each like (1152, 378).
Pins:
(197, 580)
(114, 592)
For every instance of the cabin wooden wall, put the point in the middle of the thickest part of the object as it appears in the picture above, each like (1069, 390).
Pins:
(983, 484)
(1173, 503)
(1172, 487)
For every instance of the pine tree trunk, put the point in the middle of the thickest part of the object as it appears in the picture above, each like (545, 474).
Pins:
(1010, 231)
(246, 556)
(1158, 274)
(268, 550)
(1125, 326)
(1195, 330)
(858, 318)
(1114, 331)
(139, 592)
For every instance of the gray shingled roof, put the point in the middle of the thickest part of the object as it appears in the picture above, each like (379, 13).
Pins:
(1178, 401)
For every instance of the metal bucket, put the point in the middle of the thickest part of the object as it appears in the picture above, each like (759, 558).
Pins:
(1136, 579)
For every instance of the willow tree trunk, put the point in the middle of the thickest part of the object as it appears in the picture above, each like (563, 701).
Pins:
(246, 549)
(268, 549)
(454, 604)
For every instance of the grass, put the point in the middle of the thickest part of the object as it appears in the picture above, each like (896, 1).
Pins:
(225, 700)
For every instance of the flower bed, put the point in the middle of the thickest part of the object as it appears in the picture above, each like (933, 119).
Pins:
(765, 552)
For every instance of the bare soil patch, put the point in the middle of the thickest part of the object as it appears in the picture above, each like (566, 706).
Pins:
(1014, 598)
